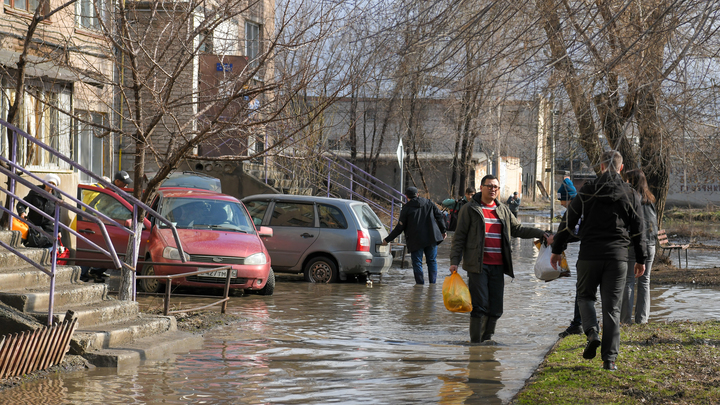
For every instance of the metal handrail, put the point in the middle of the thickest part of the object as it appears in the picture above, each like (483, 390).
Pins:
(168, 288)
(332, 168)
(11, 169)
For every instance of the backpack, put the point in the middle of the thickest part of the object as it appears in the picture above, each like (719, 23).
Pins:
(453, 217)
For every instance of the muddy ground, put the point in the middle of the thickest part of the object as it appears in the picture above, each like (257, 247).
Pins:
(664, 274)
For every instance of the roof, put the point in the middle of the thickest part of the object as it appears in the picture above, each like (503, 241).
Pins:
(44, 68)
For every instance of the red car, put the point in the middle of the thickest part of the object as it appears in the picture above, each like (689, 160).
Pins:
(215, 230)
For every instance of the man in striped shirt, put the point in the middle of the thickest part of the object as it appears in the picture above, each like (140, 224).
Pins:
(482, 243)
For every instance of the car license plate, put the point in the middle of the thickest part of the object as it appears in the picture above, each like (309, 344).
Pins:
(381, 248)
(218, 274)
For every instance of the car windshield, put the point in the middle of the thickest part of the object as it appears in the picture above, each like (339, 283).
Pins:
(367, 216)
(192, 180)
(196, 213)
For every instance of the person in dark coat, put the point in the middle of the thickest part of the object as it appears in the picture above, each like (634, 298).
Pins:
(513, 202)
(35, 238)
(609, 216)
(424, 228)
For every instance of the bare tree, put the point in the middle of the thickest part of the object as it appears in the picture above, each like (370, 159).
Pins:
(613, 59)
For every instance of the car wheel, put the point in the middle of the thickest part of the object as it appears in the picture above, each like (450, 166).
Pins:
(269, 285)
(321, 270)
(152, 285)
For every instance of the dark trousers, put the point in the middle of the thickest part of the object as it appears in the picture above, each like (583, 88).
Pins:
(609, 275)
(577, 319)
(486, 291)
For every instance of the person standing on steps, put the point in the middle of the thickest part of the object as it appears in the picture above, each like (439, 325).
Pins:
(482, 244)
(424, 227)
(609, 214)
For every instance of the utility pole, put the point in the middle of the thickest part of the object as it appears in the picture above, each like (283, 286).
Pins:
(551, 190)
(570, 150)
(497, 147)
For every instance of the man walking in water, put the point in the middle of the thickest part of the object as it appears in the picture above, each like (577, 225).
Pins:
(482, 243)
(609, 215)
(424, 227)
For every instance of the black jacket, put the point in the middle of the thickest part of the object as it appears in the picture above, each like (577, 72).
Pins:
(45, 205)
(610, 217)
(422, 222)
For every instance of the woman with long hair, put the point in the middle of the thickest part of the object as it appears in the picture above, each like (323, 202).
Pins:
(637, 180)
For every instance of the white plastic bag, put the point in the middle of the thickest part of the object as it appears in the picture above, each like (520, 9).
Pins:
(543, 269)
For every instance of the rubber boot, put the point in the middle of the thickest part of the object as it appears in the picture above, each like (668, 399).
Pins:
(477, 328)
(489, 328)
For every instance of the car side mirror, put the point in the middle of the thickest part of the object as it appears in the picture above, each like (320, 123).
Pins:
(265, 232)
(128, 223)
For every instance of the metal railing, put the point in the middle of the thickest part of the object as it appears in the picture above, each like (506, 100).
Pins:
(356, 183)
(168, 287)
(15, 173)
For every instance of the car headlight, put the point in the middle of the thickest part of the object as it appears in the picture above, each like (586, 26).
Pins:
(172, 253)
(257, 258)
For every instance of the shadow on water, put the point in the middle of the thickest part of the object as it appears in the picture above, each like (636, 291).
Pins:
(348, 343)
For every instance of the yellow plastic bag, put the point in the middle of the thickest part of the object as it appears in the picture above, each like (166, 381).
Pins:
(456, 295)
(18, 225)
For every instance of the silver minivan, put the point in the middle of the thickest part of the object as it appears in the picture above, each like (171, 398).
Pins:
(326, 239)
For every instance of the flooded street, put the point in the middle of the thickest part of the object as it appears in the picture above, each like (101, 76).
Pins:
(349, 343)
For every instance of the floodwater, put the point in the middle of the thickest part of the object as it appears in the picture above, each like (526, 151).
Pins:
(348, 343)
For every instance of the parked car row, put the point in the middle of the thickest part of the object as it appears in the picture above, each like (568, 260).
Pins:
(326, 239)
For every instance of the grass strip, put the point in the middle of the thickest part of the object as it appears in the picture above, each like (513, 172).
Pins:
(659, 363)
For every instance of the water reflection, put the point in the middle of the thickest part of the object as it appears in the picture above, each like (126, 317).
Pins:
(347, 343)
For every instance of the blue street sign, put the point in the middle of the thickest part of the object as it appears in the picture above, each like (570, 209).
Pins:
(224, 67)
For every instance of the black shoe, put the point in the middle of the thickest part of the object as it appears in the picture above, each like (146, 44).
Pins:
(99, 274)
(592, 345)
(85, 278)
(609, 365)
(571, 330)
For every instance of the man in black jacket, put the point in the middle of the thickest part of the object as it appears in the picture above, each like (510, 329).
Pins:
(424, 228)
(609, 215)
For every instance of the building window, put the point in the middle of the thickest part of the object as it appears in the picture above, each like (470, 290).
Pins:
(252, 42)
(28, 5)
(89, 13)
(41, 118)
(89, 150)
(206, 42)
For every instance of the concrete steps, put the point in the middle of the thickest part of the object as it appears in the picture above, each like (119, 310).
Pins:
(97, 337)
(37, 299)
(27, 276)
(158, 347)
(102, 312)
(110, 332)
(277, 179)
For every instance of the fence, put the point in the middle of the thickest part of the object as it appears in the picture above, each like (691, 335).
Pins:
(29, 351)
(14, 172)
